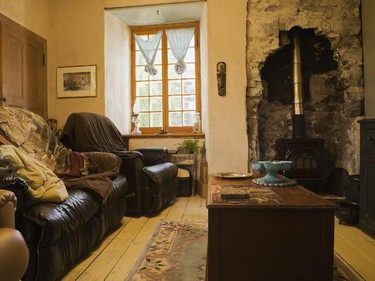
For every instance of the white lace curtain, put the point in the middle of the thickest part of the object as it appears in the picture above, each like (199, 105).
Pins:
(149, 48)
(179, 41)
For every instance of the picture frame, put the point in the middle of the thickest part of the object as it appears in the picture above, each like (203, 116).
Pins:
(76, 81)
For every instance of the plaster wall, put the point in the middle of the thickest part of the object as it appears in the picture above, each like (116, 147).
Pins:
(171, 143)
(117, 63)
(130, 3)
(77, 38)
(204, 69)
(34, 15)
(226, 136)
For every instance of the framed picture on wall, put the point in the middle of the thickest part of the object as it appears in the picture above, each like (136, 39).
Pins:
(76, 81)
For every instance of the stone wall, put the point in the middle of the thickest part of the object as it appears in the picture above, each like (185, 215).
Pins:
(336, 97)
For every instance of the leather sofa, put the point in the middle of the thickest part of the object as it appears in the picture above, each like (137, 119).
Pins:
(57, 234)
(60, 234)
(151, 178)
(68, 231)
(14, 255)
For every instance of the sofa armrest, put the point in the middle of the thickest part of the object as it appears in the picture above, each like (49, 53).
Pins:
(8, 203)
(14, 255)
(153, 155)
(162, 184)
(158, 173)
(18, 187)
(132, 165)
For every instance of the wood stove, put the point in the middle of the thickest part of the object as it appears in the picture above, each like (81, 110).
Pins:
(307, 154)
(308, 157)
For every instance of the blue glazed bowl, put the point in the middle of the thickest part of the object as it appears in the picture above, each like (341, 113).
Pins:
(274, 166)
(287, 165)
(257, 166)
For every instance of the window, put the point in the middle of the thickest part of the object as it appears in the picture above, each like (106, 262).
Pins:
(167, 100)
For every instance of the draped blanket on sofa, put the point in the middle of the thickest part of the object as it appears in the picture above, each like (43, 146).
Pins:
(92, 132)
(43, 159)
(43, 183)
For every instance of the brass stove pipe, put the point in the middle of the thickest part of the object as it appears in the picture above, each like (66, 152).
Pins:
(298, 116)
(297, 76)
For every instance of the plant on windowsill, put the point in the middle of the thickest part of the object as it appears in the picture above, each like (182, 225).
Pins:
(189, 146)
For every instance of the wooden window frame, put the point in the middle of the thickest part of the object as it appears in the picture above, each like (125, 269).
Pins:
(139, 30)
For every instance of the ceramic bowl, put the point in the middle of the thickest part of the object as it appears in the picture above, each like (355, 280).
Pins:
(287, 165)
(272, 166)
(257, 166)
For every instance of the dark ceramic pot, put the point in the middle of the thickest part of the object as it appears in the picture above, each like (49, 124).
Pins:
(347, 212)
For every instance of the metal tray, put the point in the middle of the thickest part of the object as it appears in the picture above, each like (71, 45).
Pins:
(231, 175)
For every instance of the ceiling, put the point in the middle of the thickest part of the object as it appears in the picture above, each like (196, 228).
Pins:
(160, 14)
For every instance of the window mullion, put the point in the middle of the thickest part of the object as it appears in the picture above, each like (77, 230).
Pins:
(165, 82)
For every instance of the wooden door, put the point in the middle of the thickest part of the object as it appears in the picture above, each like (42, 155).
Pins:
(23, 68)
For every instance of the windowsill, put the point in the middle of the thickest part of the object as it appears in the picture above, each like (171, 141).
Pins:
(168, 135)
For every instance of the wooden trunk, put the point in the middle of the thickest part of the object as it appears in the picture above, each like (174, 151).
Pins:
(291, 240)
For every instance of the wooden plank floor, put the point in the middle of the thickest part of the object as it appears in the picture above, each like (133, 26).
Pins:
(117, 254)
(355, 252)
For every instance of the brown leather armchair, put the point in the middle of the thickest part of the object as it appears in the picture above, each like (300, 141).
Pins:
(14, 255)
(151, 179)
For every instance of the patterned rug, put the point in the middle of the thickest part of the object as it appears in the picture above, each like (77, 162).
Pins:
(177, 251)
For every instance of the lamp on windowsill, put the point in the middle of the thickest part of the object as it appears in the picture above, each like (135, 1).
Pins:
(136, 119)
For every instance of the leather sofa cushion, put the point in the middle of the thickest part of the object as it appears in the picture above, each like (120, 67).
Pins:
(54, 220)
(58, 219)
(161, 173)
(60, 234)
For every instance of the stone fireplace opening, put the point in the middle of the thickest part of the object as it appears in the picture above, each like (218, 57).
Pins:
(285, 74)
(332, 85)
(277, 72)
